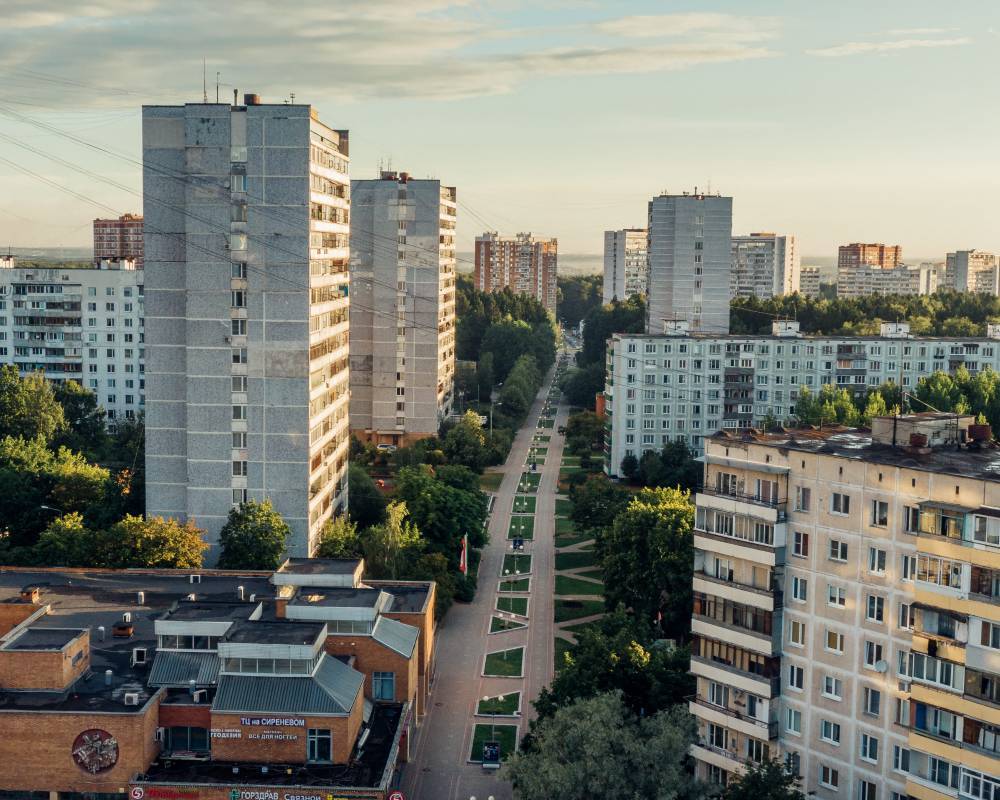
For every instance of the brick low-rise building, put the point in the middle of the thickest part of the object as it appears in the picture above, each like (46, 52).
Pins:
(166, 685)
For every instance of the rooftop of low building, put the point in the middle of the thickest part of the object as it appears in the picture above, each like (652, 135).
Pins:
(276, 632)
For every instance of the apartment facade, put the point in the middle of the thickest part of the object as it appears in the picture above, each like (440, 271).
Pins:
(903, 279)
(85, 325)
(119, 239)
(403, 307)
(248, 307)
(809, 281)
(523, 264)
(764, 265)
(845, 608)
(972, 271)
(690, 260)
(875, 254)
(625, 263)
(685, 387)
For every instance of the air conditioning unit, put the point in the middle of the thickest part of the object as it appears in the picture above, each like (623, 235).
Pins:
(229, 339)
(200, 695)
(904, 685)
(159, 735)
(194, 578)
(139, 655)
(131, 698)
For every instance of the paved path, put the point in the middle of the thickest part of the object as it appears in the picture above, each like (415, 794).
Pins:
(439, 768)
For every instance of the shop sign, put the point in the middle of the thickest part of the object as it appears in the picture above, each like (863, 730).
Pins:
(273, 722)
(273, 736)
(227, 733)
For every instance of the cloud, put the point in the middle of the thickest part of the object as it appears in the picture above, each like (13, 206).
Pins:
(858, 48)
(437, 49)
(920, 31)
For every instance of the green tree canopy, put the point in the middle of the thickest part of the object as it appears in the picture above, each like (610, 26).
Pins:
(254, 537)
(596, 503)
(584, 432)
(768, 780)
(339, 539)
(466, 443)
(85, 430)
(28, 406)
(578, 295)
(596, 747)
(392, 546)
(366, 505)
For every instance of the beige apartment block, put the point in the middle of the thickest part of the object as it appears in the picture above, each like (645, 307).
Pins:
(845, 614)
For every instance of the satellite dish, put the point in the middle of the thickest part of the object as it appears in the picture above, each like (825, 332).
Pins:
(881, 666)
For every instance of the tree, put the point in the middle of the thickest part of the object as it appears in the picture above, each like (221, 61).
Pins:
(485, 378)
(581, 385)
(366, 506)
(392, 545)
(647, 557)
(584, 432)
(630, 467)
(620, 653)
(597, 748)
(28, 407)
(465, 443)
(66, 542)
(767, 780)
(339, 539)
(942, 392)
(442, 513)
(673, 466)
(578, 295)
(85, 429)
(253, 537)
(830, 407)
(596, 503)
(156, 543)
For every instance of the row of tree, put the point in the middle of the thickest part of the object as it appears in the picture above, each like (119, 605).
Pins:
(577, 296)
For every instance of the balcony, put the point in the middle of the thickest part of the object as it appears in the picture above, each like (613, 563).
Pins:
(751, 726)
(779, 506)
(768, 599)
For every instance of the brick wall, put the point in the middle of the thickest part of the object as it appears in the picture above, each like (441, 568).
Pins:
(36, 749)
(45, 669)
(13, 614)
(371, 656)
(195, 715)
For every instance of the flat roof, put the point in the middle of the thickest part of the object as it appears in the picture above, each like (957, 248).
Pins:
(407, 597)
(803, 337)
(41, 638)
(211, 610)
(336, 596)
(319, 566)
(276, 632)
(964, 462)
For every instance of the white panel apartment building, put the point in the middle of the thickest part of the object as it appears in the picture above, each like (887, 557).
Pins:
(905, 279)
(625, 263)
(402, 307)
(690, 260)
(764, 265)
(972, 271)
(247, 307)
(85, 325)
(847, 611)
(688, 386)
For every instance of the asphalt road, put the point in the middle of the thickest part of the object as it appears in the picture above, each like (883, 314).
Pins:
(439, 768)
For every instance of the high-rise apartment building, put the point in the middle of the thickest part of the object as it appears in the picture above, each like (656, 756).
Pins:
(846, 613)
(85, 325)
(972, 271)
(523, 264)
(625, 263)
(402, 307)
(247, 310)
(876, 255)
(903, 279)
(809, 281)
(764, 265)
(119, 239)
(681, 386)
(690, 259)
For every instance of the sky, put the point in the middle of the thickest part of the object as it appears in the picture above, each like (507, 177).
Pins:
(834, 120)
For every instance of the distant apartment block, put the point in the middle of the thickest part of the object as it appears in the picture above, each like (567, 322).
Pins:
(809, 281)
(972, 271)
(690, 260)
(523, 264)
(764, 265)
(846, 615)
(876, 255)
(402, 307)
(625, 263)
(85, 325)
(247, 300)
(683, 386)
(119, 239)
(903, 279)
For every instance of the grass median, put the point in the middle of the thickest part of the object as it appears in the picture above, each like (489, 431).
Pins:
(505, 663)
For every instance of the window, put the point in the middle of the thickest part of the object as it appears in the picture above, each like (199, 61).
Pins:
(185, 739)
(718, 694)
(834, 641)
(838, 550)
(239, 496)
(908, 567)
(239, 327)
(911, 519)
(384, 686)
(320, 744)
(836, 595)
(800, 544)
(905, 616)
(797, 634)
(239, 412)
(239, 469)
(757, 751)
(869, 748)
(796, 677)
(873, 654)
(876, 609)
(880, 513)
(866, 790)
(900, 758)
(793, 721)
(990, 635)
(239, 439)
(239, 299)
(803, 496)
(840, 504)
(833, 687)
(872, 701)
(800, 589)
(239, 383)
(718, 736)
(829, 777)
(239, 355)
(829, 731)
(876, 560)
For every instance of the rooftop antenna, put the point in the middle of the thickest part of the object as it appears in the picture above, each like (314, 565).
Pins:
(204, 81)
(292, 95)
(217, 76)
